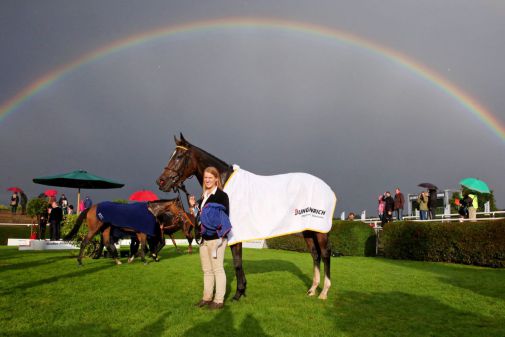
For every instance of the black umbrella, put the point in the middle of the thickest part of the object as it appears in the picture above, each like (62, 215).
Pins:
(78, 179)
(429, 186)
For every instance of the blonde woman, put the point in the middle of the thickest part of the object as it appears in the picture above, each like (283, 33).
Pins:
(215, 225)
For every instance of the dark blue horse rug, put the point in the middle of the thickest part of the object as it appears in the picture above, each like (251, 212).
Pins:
(136, 216)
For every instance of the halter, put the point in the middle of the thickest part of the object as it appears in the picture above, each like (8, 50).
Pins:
(179, 184)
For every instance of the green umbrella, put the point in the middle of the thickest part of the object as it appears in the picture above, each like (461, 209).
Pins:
(475, 184)
(78, 179)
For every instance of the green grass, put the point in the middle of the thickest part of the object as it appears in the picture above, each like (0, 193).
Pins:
(46, 294)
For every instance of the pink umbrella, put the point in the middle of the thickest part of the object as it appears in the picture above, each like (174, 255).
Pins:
(143, 195)
(50, 193)
(15, 189)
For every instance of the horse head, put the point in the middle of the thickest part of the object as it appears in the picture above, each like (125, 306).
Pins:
(175, 208)
(180, 167)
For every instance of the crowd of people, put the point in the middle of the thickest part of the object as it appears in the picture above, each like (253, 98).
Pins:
(18, 199)
(54, 215)
(389, 206)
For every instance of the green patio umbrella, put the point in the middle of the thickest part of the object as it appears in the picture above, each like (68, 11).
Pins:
(475, 184)
(78, 179)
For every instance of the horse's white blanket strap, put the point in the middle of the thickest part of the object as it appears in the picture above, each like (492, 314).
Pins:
(263, 207)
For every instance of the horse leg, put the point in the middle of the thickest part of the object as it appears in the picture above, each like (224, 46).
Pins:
(190, 248)
(111, 248)
(99, 251)
(153, 243)
(161, 244)
(143, 239)
(84, 243)
(324, 248)
(311, 242)
(173, 241)
(134, 247)
(236, 251)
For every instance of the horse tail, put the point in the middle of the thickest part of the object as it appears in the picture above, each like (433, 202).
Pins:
(77, 225)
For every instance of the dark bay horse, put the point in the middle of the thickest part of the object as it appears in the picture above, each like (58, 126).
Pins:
(95, 226)
(188, 160)
(170, 224)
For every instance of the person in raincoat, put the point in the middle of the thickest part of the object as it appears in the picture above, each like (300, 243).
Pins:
(472, 207)
(422, 200)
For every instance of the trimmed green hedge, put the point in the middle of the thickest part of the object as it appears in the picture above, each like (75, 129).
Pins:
(349, 238)
(13, 232)
(479, 243)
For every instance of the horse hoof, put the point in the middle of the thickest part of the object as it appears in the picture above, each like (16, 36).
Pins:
(311, 292)
(130, 260)
(323, 296)
(118, 263)
(239, 294)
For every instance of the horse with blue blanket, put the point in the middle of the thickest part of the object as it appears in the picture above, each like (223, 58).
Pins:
(138, 218)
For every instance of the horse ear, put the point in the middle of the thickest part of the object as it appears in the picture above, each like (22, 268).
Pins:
(182, 138)
(175, 140)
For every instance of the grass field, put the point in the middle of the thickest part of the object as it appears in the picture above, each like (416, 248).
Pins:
(46, 294)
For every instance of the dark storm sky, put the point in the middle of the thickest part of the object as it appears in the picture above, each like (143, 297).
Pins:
(269, 100)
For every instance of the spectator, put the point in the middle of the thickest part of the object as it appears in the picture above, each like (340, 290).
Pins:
(473, 205)
(14, 202)
(24, 202)
(399, 202)
(63, 202)
(70, 209)
(42, 225)
(389, 205)
(87, 202)
(380, 206)
(351, 216)
(193, 206)
(432, 203)
(55, 218)
(422, 200)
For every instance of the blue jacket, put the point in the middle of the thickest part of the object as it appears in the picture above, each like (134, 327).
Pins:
(214, 220)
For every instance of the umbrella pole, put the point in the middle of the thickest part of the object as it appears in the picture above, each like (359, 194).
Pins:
(78, 200)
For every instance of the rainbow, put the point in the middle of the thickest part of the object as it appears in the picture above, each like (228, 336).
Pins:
(423, 72)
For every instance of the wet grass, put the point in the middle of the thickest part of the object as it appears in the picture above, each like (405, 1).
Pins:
(46, 294)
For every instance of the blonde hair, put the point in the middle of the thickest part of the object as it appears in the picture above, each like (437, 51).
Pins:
(212, 170)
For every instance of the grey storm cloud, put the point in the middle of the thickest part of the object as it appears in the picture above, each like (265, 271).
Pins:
(271, 100)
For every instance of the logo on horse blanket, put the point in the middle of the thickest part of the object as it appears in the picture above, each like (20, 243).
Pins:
(136, 216)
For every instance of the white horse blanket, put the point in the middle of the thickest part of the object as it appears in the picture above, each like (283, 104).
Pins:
(263, 207)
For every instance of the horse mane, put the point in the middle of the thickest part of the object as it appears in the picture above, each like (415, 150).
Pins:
(220, 161)
(162, 200)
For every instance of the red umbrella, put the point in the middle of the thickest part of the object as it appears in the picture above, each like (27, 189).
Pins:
(50, 193)
(15, 189)
(143, 195)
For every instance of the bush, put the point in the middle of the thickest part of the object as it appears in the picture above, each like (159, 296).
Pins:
(353, 238)
(478, 243)
(349, 238)
(37, 207)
